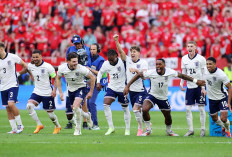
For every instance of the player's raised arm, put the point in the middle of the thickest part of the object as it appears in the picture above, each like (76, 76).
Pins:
(188, 78)
(92, 84)
(120, 50)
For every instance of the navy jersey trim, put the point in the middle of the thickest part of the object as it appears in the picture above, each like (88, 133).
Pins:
(193, 56)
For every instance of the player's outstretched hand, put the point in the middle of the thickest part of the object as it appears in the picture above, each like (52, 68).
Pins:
(126, 90)
(115, 37)
(201, 82)
(53, 94)
(61, 96)
(182, 88)
(99, 86)
(89, 95)
(203, 92)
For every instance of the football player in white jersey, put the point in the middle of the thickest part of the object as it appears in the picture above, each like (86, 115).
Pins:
(9, 87)
(43, 92)
(114, 66)
(74, 74)
(137, 91)
(158, 93)
(219, 98)
(194, 65)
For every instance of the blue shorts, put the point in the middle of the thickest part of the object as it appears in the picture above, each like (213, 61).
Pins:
(137, 98)
(9, 95)
(68, 106)
(48, 101)
(193, 96)
(123, 100)
(218, 105)
(80, 93)
(162, 104)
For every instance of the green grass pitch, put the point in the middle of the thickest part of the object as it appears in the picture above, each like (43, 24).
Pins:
(95, 143)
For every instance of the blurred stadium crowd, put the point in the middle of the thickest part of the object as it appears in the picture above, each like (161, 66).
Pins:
(160, 27)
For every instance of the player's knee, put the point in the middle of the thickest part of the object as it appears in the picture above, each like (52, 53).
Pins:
(224, 119)
(30, 106)
(188, 109)
(52, 115)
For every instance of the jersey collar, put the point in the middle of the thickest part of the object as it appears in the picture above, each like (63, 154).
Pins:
(137, 61)
(193, 56)
(163, 74)
(213, 71)
(41, 63)
(5, 56)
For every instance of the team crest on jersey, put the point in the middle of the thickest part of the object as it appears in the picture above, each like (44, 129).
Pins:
(77, 74)
(42, 71)
(214, 79)
(138, 66)
(9, 62)
(197, 64)
(166, 78)
(119, 69)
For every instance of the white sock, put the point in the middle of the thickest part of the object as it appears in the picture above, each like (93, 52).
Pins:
(13, 124)
(168, 128)
(227, 125)
(77, 111)
(18, 120)
(220, 123)
(127, 117)
(84, 114)
(202, 116)
(33, 114)
(138, 117)
(189, 117)
(148, 125)
(54, 119)
(108, 115)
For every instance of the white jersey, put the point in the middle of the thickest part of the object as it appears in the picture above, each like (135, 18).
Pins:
(141, 65)
(159, 83)
(215, 83)
(117, 75)
(8, 77)
(194, 67)
(42, 77)
(74, 78)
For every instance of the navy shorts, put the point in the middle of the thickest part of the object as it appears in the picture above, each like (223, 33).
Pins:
(123, 100)
(48, 101)
(137, 98)
(218, 105)
(162, 104)
(80, 93)
(9, 95)
(193, 96)
(68, 106)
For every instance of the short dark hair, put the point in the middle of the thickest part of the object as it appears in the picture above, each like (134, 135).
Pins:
(37, 51)
(112, 52)
(134, 47)
(161, 59)
(72, 55)
(2, 44)
(192, 42)
(212, 59)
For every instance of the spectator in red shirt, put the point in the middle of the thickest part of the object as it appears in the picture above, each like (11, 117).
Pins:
(216, 49)
(46, 52)
(87, 15)
(45, 7)
(23, 52)
(174, 48)
(41, 41)
(107, 18)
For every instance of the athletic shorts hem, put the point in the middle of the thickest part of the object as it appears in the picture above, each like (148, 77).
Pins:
(150, 102)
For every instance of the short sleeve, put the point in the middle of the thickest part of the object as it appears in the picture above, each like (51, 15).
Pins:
(59, 72)
(51, 71)
(225, 79)
(203, 63)
(148, 73)
(173, 73)
(16, 58)
(84, 71)
(182, 63)
(29, 67)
